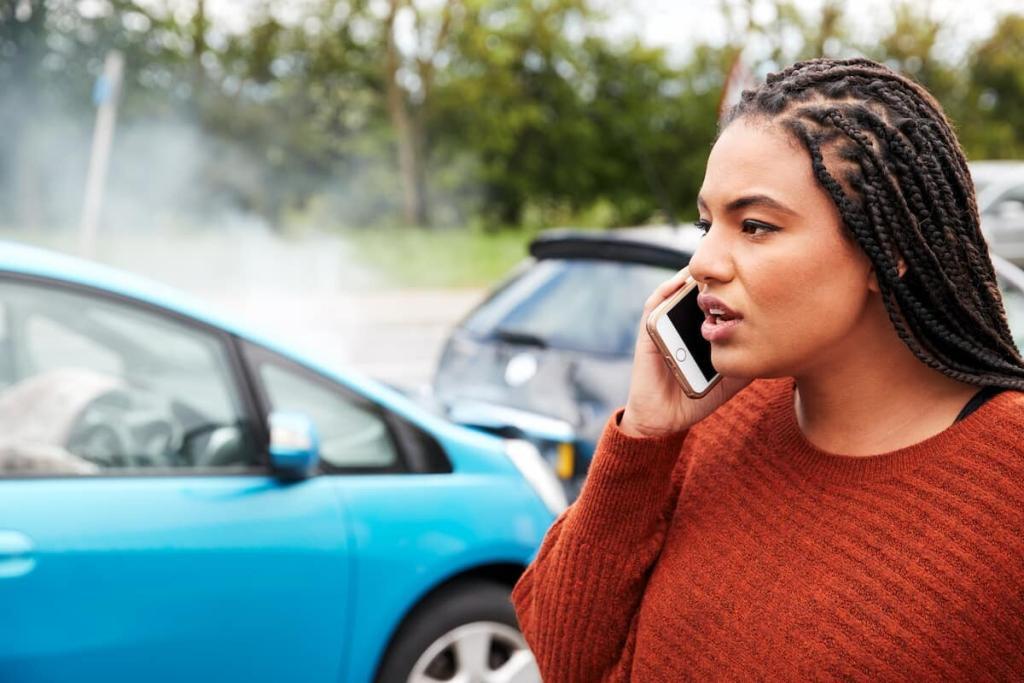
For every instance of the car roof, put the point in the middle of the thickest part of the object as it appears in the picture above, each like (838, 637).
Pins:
(657, 245)
(997, 170)
(32, 261)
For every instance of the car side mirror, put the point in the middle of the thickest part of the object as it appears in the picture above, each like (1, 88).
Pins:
(294, 445)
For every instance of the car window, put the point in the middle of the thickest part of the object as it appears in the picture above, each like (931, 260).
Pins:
(581, 305)
(93, 385)
(49, 343)
(352, 436)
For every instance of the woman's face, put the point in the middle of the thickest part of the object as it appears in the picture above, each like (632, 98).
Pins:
(775, 255)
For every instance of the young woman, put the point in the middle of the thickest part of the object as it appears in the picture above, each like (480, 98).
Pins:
(848, 502)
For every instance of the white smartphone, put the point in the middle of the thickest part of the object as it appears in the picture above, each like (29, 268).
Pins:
(675, 328)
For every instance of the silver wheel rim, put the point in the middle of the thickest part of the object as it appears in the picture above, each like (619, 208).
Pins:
(478, 652)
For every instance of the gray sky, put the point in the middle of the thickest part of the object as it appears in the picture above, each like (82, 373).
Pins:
(676, 24)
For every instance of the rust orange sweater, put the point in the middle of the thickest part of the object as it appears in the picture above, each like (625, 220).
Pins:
(739, 550)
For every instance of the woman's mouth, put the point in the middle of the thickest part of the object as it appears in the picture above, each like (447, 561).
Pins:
(716, 328)
(719, 319)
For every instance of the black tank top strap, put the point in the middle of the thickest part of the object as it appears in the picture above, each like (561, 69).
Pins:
(978, 400)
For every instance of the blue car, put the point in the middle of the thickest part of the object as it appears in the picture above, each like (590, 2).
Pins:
(183, 500)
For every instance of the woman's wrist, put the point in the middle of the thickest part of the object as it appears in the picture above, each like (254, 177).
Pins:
(631, 428)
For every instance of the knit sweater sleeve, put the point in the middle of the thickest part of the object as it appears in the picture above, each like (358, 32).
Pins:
(578, 600)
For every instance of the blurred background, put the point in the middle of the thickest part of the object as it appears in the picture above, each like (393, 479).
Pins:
(353, 175)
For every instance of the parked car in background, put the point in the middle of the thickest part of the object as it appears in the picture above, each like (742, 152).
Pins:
(548, 355)
(1000, 189)
(183, 500)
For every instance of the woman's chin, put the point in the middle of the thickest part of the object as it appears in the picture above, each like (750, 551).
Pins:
(730, 364)
(733, 362)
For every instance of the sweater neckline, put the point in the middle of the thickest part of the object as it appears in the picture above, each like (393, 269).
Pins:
(816, 463)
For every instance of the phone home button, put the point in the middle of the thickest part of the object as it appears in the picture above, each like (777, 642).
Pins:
(680, 354)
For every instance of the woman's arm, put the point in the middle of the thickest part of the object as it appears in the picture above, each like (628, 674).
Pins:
(577, 601)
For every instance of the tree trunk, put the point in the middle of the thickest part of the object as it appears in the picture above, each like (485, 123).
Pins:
(407, 132)
(199, 24)
(831, 13)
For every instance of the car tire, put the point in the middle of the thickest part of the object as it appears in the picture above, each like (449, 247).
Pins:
(466, 630)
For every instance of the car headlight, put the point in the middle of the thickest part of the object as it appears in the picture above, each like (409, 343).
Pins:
(528, 460)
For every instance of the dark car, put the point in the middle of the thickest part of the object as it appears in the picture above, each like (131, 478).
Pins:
(547, 356)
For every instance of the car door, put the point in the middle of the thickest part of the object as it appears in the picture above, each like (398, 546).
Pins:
(142, 535)
(406, 513)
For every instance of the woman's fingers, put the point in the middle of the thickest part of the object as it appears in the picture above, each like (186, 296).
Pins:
(667, 288)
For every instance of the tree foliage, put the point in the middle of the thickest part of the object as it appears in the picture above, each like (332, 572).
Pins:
(444, 112)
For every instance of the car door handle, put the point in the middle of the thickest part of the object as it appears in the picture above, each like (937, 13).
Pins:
(16, 554)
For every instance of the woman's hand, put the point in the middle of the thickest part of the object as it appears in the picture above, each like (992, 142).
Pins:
(657, 404)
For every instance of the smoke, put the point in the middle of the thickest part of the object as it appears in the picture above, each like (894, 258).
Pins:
(177, 204)
(170, 174)
(42, 168)
(167, 179)
(231, 221)
(154, 179)
(175, 210)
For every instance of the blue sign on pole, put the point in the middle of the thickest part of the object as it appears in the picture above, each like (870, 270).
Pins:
(101, 91)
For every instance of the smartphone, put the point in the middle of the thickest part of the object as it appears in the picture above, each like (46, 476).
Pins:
(675, 328)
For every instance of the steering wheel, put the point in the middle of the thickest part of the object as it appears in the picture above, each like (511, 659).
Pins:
(207, 445)
(100, 444)
(123, 429)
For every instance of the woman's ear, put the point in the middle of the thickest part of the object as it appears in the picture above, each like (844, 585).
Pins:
(901, 268)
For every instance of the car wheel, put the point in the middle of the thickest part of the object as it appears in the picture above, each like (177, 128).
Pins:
(466, 633)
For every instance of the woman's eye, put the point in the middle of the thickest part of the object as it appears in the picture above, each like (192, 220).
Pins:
(754, 226)
(703, 226)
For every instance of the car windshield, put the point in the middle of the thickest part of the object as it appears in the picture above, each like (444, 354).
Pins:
(579, 305)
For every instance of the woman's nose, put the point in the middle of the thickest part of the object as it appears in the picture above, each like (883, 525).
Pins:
(712, 260)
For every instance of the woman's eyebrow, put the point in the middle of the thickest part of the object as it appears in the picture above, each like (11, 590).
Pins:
(762, 200)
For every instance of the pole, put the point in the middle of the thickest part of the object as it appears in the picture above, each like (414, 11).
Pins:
(105, 95)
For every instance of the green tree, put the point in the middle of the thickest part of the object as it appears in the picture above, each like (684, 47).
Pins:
(992, 128)
(909, 46)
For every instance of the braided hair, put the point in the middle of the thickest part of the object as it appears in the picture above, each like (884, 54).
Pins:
(884, 151)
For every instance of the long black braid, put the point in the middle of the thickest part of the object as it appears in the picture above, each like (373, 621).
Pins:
(882, 148)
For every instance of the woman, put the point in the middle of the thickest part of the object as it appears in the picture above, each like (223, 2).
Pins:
(857, 510)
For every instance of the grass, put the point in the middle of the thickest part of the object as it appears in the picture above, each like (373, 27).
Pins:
(404, 257)
(415, 257)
